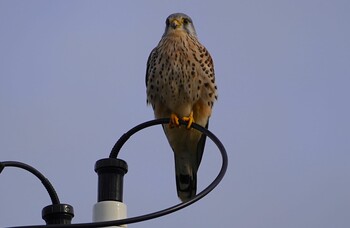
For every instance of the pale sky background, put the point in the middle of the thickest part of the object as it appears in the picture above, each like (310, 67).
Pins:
(72, 82)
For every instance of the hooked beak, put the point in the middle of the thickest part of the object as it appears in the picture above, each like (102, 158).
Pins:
(174, 23)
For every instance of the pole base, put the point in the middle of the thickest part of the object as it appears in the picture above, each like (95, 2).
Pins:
(58, 214)
(109, 210)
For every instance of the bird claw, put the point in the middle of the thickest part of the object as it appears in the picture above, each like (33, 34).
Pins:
(188, 119)
(174, 121)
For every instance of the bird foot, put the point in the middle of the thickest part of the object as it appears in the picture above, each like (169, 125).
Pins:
(188, 119)
(174, 121)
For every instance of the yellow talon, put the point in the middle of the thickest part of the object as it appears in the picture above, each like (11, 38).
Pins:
(188, 119)
(174, 120)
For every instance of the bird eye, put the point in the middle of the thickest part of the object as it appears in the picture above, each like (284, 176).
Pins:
(186, 21)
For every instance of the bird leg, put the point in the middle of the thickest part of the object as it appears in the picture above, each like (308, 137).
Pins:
(189, 119)
(174, 120)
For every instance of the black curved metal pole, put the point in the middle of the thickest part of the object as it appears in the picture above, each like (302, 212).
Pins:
(47, 184)
(114, 154)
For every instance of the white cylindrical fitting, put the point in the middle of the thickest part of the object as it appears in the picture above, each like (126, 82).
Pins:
(109, 210)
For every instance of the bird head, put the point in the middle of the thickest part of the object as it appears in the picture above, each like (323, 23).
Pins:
(179, 22)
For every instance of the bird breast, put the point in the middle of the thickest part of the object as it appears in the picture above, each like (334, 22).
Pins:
(179, 73)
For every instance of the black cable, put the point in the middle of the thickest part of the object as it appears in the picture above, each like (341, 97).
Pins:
(114, 154)
(49, 188)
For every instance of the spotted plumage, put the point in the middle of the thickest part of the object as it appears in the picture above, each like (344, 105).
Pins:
(180, 83)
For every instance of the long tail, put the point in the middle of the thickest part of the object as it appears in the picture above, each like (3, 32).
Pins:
(186, 179)
(186, 167)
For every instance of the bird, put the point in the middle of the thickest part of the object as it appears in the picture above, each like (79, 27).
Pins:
(180, 84)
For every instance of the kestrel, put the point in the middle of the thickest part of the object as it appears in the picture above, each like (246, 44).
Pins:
(180, 83)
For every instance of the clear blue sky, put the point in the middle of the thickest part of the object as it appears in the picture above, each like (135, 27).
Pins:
(72, 82)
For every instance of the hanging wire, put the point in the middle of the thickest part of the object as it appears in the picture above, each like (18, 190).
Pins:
(114, 153)
(49, 188)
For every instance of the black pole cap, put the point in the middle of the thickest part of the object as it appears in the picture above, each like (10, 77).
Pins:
(58, 214)
(110, 173)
